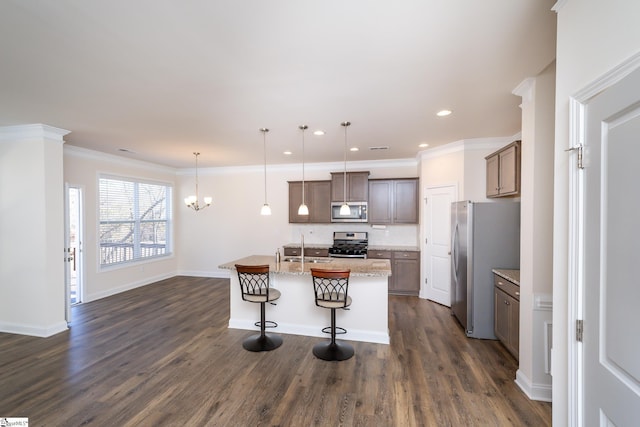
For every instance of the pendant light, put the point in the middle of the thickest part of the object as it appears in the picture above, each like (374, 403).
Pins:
(303, 209)
(344, 209)
(192, 201)
(266, 209)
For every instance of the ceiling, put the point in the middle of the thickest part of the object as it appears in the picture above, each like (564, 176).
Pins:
(165, 78)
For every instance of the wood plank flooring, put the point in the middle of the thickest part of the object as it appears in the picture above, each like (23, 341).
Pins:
(162, 355)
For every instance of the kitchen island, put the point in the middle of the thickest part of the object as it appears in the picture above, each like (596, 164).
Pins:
(296, 312)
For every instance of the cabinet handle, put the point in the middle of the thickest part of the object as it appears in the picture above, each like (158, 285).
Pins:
(517, 293)
(506, 302)
(500, 283)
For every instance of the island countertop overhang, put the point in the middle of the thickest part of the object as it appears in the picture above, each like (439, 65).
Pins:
(358, 266)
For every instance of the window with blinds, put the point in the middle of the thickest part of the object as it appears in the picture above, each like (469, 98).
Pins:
(135, 220)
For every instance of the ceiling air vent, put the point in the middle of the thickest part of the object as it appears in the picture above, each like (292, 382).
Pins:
(379, 148)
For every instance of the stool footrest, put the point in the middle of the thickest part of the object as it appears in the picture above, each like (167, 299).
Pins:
(267, 324)
(339, 330)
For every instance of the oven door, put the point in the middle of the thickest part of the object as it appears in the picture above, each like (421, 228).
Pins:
(358, 212)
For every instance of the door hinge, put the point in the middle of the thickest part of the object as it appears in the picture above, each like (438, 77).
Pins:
(579, 149)
(579, 330)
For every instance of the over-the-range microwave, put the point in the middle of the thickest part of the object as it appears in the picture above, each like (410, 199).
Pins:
(358, 212)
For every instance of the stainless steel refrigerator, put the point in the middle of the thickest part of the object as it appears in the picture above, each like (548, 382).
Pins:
(484, 236)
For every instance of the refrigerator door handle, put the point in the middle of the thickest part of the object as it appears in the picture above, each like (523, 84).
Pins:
(454, 248)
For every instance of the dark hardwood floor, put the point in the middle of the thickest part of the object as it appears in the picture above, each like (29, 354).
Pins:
(163, 355)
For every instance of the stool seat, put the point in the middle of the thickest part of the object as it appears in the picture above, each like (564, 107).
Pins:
(254, 287)
(331, 289)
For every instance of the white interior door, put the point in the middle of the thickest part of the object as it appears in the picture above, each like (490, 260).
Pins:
(73, 248)
(611, 293)
(436, 257)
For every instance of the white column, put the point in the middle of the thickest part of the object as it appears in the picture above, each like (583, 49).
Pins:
(536, 235)
(32, 288)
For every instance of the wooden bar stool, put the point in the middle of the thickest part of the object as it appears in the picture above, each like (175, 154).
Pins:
(331, 291)
(254, 286)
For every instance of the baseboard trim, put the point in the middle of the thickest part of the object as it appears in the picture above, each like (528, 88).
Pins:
(127, 287)
(34, 331)
(289, 328)
(540, 392)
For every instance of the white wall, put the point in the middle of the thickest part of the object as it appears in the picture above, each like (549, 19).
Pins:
(31, 230)
(594, 36)
(81, 168)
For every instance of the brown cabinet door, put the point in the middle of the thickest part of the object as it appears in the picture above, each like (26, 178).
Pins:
(405, 267)
(493, 176)
(501, 316)
(380, 201)
(405, 201)
(295, 199)
(317, 196)
(319, 202)
(357, 187)
(508, 170)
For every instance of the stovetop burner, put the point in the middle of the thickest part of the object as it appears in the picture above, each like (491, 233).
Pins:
(349, 245)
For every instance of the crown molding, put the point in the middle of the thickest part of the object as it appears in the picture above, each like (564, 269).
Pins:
(85, 153)
(31, 132)
(467, 145)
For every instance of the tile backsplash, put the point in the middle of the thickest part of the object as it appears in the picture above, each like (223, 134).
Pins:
(396, 235)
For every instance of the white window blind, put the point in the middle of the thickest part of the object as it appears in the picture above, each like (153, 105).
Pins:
(135, 220)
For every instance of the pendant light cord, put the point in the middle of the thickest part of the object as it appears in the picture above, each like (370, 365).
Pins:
(197, 195)
(303, 127)
(264, 146)
(345, 125)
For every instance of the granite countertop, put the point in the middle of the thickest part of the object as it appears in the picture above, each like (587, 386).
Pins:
(511, 275)
(358, 267)
(370, 247)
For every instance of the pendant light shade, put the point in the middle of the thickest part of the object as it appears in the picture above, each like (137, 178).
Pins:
(266, 209)
(303, 209)
(192, 201)
(345, 209)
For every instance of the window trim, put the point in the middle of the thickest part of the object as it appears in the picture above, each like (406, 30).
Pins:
(169, 248)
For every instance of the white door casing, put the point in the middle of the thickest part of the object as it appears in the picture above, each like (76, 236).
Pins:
(604, 291)
(436, 257)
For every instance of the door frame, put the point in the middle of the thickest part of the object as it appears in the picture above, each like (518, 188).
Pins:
(423, 231)
(79, 258)
(575, 256)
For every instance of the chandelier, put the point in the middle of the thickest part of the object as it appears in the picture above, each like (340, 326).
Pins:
(192, 201)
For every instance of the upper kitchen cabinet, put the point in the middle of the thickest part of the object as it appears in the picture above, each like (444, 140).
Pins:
(503, 171)
(357, 186)
(317, 196)
(393, 201)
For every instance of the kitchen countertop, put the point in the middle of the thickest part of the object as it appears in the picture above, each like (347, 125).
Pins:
(358, 267)
(370, 247)
(511, 275)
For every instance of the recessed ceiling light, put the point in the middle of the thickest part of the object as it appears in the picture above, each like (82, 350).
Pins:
(318, 132)
(423, 145)
(288, 153)
(443, 113)
(354, 149)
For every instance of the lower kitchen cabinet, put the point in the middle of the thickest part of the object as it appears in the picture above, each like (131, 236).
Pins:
(405, 270)
(507, 314)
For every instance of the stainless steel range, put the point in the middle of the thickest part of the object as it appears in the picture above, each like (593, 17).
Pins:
(349, 244)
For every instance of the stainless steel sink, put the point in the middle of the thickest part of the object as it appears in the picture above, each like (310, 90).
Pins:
(316, 260)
